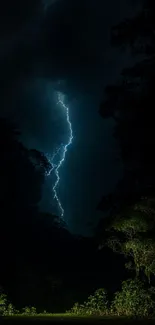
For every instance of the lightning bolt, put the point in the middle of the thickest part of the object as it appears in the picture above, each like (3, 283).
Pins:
(63, 148)
(51, 160)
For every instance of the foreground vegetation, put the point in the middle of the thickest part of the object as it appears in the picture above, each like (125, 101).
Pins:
(133, 300)
(131, 234)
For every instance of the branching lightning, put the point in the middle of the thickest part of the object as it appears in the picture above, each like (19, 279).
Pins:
(61, 149)
(51, 160)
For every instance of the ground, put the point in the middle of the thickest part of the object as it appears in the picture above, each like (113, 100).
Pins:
(72, 320)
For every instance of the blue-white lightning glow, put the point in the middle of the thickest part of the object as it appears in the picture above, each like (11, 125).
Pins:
(61, 152)
(51, 160)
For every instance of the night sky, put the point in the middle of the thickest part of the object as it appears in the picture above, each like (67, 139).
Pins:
(65, 46)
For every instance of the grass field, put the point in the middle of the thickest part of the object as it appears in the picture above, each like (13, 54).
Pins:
(63, 318)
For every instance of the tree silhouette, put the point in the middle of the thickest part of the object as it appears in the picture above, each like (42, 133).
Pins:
(37, 250)
(131, 104)
(22, 178)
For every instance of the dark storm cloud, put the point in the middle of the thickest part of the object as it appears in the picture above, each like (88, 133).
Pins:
(70, 41)
(75, 40)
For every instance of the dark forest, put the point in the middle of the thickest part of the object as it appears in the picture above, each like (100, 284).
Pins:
(46, 268)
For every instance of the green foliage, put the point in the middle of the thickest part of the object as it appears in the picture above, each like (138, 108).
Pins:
(143, 252)
(29, 311)
(133, 228)
(6, 309)
(115, 244)
(10, 310)
(77, 309)
(3, 301)
(133, 300)
(96, 304)
(131, 225)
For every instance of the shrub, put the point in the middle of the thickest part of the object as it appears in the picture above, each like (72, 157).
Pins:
(133, 300)
(95, 305)
(29, 311)
(10, 310)
(3, 302)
